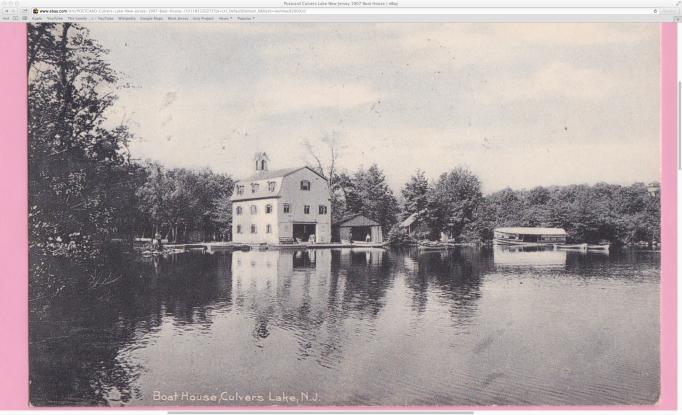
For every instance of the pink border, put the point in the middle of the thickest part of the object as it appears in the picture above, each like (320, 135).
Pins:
(13, 218)
(668, 399)
(14, 242)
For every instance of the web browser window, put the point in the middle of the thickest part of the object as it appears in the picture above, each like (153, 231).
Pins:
(339, 205)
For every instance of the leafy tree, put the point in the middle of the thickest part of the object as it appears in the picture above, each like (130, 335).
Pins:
(178, 200)
(399, 236)
(507, 205)
(221, 216)
(215, 209)
(453, 201)
(367, 192)
(415, 192)
(80, 174)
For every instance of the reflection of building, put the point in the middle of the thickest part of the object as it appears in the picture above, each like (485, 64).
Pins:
(281, 206)
(361, 256)
(270, 268)
(259, 268)
(358, 228)
(529, 257)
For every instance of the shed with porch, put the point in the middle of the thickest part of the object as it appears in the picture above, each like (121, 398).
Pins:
(358, 228)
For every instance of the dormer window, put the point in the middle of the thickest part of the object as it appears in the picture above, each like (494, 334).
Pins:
(271, 186)
(305, 185)
(240, 190)
(254, 187)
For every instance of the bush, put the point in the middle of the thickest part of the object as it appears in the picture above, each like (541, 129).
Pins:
(399, 236)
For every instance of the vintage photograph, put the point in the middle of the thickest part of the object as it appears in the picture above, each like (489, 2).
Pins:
(344, 214)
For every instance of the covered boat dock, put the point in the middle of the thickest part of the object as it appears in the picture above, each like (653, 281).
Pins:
(357, 228)
(523, 235)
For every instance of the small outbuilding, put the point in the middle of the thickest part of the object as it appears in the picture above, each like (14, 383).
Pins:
(415, 224)
(410, 223)
(358, 228)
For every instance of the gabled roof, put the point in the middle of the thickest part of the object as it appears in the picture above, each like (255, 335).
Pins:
(409, 221)
(264, 192)
(271, 174)
(361, 220)
(532, 231)
(274, 174)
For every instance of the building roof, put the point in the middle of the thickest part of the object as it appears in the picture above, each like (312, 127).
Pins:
(274, 174)
(409, 221)
(271, 174)
(264, 192)
(532, 231)
(357, 219)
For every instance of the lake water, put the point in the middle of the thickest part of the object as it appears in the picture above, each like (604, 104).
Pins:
(360, 327)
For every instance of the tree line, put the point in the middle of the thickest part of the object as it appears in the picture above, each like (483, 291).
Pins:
(455, 206)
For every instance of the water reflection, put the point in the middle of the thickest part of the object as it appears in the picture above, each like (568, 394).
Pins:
(74, 348)
(524, 257)
(361, 326)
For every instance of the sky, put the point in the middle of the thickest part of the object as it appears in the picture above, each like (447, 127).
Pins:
(518, 104)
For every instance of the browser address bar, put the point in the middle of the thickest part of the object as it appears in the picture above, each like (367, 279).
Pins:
(354, 10)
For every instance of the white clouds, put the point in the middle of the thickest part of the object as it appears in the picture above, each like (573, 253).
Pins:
(555, 80)
(288, 95)
(577, 102)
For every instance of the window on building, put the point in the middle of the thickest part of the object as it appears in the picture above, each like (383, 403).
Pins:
(268, 208)
(271, 186)
(323, 210)
(254, 187)
(253, 228)
(268, 229)
(305, 185)
(254, 209)
(238, 210)
(240, 190)
(286, 208)
(306, 209)
(239, 228)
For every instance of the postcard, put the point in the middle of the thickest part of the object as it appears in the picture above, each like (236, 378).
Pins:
(416, 215)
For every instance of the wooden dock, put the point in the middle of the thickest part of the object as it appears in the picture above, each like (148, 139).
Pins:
(331, 245)
(210, 247)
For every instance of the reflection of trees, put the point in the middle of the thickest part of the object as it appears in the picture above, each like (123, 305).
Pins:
(74, 343)
(452, 277)
(367, 278)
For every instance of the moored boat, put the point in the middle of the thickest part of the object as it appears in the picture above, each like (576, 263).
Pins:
(575, 247)
(368, 243)
(599, 247)
(435, 246)
(586, 247)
